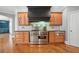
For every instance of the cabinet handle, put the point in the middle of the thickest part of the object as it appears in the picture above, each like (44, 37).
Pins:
(57, 34)
(70, 30)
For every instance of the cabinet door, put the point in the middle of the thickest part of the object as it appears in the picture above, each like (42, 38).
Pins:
(56, 18)
(26, 37)
(19, 37)
(51, 37)
(52, 21)
(59, 37)
(22, 37)
(23, 18)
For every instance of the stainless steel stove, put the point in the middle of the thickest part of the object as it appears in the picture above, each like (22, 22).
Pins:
(38, 37)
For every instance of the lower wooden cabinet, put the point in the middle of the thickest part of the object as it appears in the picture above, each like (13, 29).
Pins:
(51, 37)
(56, 37)
(22, 37)
(26, 37)
(59, 37)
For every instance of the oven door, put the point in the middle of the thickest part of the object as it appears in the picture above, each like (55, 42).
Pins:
(43, 39)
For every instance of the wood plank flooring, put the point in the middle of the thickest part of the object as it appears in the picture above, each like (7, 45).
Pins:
(6, 47)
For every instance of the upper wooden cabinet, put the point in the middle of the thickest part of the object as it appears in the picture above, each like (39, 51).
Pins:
(56, 18)
(22, 18)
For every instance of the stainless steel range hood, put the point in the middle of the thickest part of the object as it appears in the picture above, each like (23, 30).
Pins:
(39, 13)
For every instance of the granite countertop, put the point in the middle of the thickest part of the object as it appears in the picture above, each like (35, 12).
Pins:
(57, 31)
(21, 31)
(48, 31)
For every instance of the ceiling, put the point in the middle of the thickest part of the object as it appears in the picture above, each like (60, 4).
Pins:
(57, 8)
(12, 9)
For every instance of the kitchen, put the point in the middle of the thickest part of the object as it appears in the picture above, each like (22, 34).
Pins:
(42, 28)
(40, 18)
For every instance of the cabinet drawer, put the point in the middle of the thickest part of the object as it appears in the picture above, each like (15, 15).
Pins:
(58, 36)
(18, 33)
(19, 36)
(19, 41)
(26, 33)
(59, 40)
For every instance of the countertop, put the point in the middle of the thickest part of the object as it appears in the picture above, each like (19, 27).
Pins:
(48, 31)
(22, 31)
(57, 31)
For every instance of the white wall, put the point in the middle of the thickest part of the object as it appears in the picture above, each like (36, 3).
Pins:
(65, 23)
(2, 17)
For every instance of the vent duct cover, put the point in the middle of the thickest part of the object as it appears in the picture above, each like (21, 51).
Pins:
(39, 13)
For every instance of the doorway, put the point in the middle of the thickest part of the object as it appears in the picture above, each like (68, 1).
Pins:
(4, 34)
(74, 29)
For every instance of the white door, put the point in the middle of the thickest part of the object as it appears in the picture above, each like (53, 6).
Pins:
(74, 30)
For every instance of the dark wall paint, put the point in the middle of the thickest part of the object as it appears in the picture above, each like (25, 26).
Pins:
(4, 26)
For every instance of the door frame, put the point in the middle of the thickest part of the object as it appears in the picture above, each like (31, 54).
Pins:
(69, 19)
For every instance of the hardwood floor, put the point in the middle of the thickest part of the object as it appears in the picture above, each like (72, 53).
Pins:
(6, 47)
(51, 48)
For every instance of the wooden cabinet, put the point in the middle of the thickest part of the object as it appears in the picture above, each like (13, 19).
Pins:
(56, 18)
(59, 37)
(56, 37)
(51, 37)
(22, 37)
(26, 37)
(23, 18)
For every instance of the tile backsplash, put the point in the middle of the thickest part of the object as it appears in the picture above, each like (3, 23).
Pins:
(49, 28)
